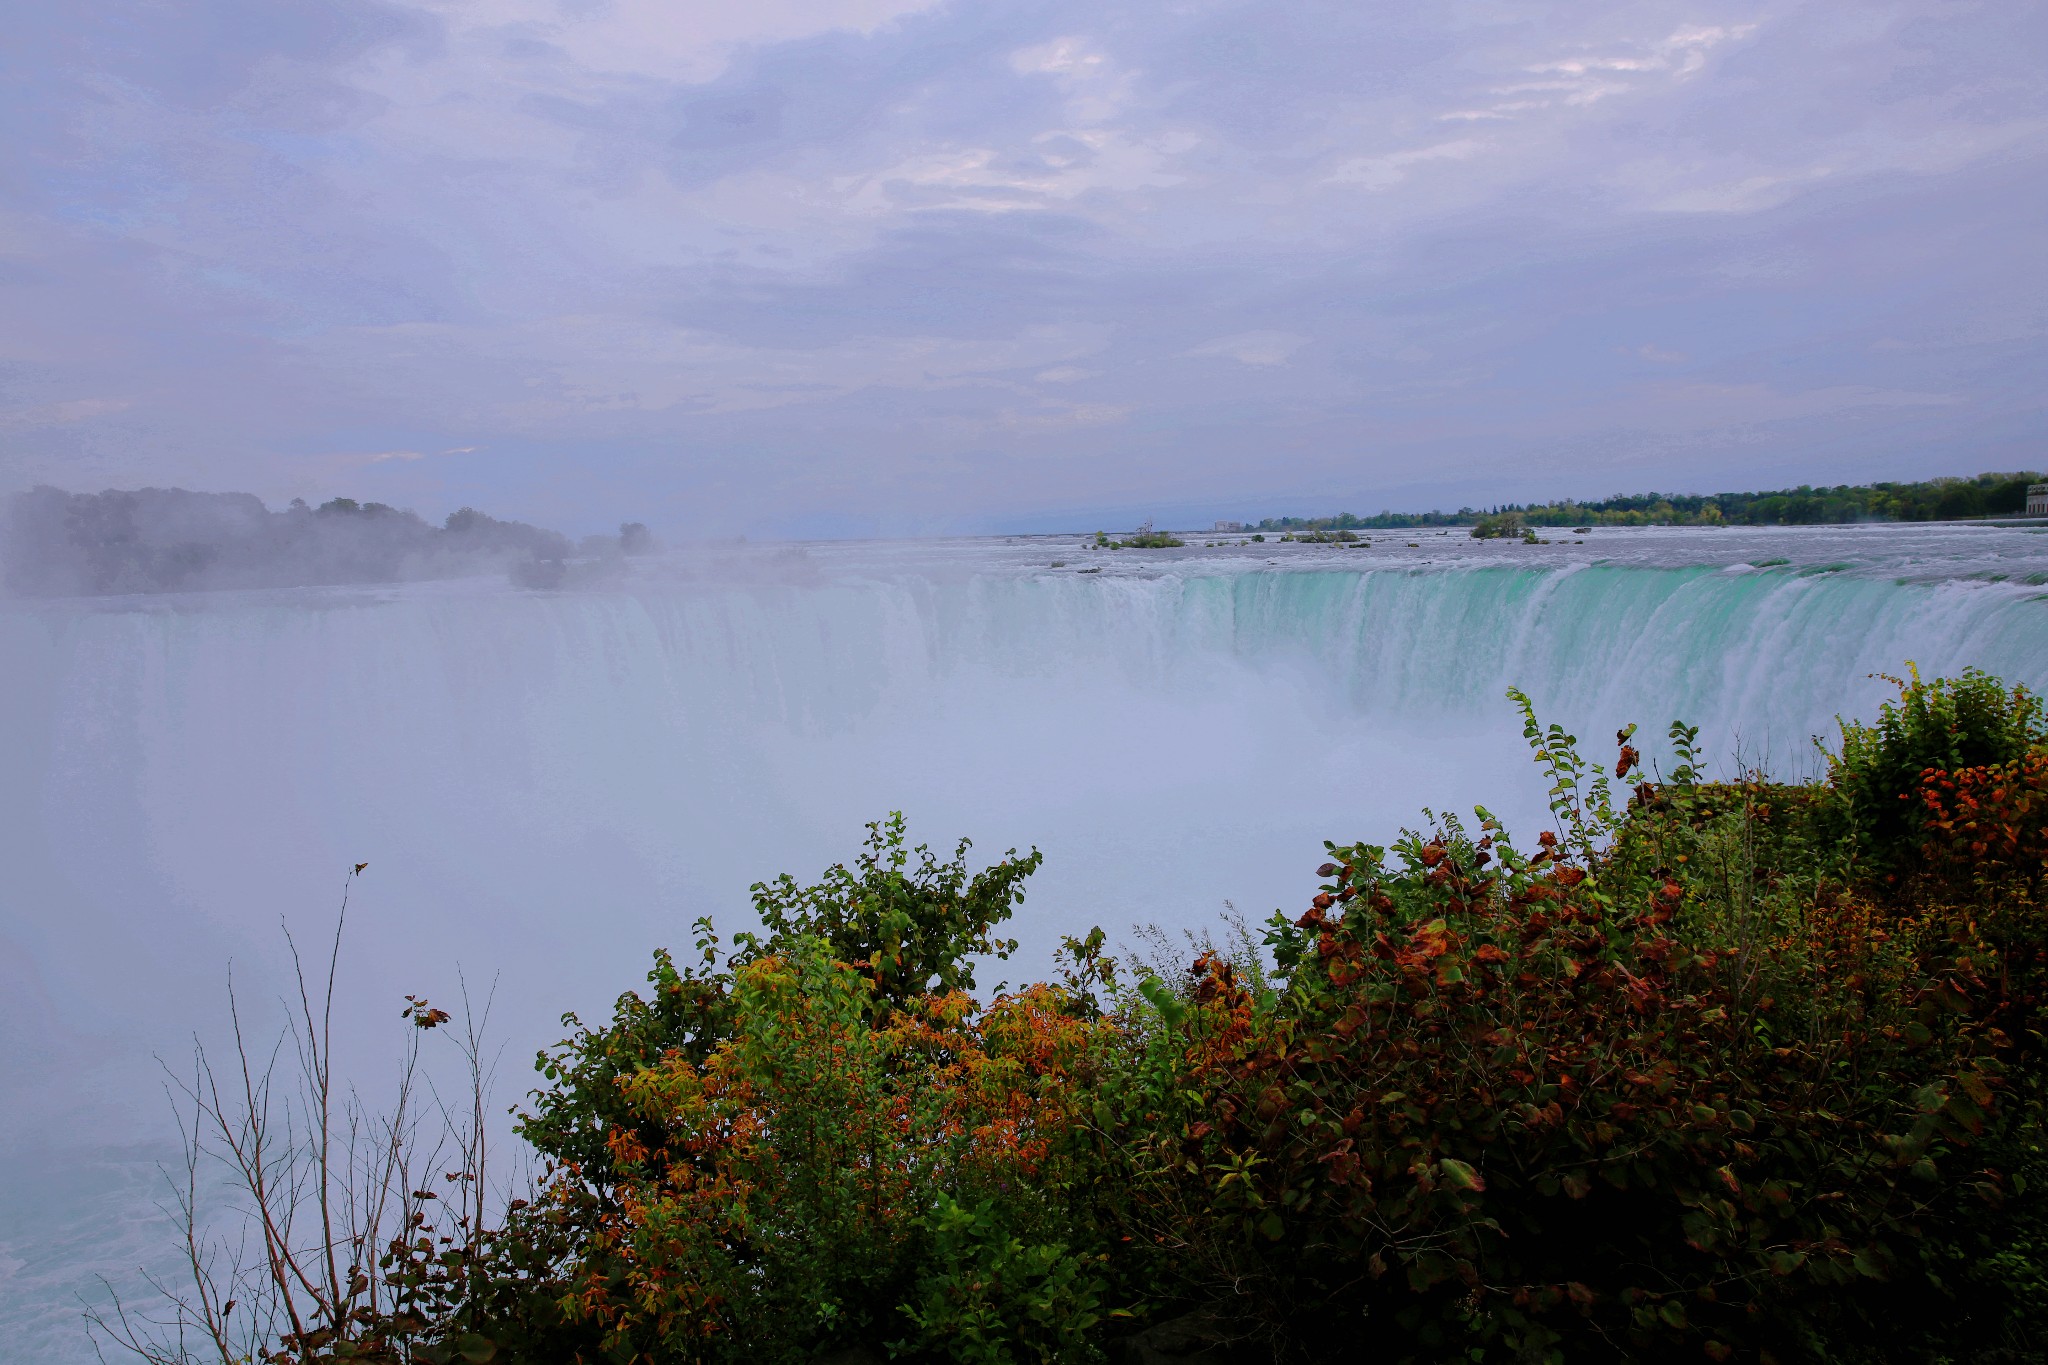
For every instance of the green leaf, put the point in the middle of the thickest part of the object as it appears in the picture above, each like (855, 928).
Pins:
(1162, 999)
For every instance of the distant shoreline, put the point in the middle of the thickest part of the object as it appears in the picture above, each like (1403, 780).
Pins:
(1990, 495)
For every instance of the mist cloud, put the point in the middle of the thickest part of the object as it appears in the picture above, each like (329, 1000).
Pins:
(149, 540)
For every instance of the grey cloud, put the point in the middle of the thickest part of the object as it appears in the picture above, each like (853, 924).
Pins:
(977, 262)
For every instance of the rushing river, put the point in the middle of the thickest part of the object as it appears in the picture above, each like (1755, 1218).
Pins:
(547, 785)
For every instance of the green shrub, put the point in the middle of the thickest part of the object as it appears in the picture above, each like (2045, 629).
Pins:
(914, 930)
(1946, 725)
(821, 1141)
(988, 1298)
(1499, 526)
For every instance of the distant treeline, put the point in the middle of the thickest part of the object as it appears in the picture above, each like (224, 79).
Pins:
(168, 539)
(1987, 495)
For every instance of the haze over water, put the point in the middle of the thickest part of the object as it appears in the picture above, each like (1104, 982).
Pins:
(547, 786)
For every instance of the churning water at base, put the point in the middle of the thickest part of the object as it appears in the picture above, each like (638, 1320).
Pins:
(548, 786)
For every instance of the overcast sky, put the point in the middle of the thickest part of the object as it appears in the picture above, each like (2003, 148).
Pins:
(883, 266)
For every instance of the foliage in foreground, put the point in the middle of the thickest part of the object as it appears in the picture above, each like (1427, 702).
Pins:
(1714, 1071)
(1667, 1101)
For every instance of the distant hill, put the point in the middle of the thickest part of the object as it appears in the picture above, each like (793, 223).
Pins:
(1987, 495)
(54, 543)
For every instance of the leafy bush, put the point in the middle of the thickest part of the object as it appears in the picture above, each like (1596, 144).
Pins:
(1498, 526)
(1943, 725)
(1512, 1110)
(987, 1298)
(823, 1140)
(913, 930)
(808, 1182)
(1668, 1085)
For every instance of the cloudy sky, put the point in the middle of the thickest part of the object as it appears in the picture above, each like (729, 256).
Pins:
(816, 267)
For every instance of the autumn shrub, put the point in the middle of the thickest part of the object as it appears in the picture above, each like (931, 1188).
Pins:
(829, 1174)
(820, 1140)
(1657, 1089)
(1533, 1124)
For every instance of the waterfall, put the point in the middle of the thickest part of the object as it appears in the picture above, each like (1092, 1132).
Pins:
(548, 786)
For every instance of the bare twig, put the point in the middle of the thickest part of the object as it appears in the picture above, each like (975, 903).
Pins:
(332, 1194)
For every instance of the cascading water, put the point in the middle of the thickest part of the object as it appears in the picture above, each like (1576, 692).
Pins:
(547, 786)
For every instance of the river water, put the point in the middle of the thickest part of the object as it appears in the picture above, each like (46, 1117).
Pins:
(548, 785)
